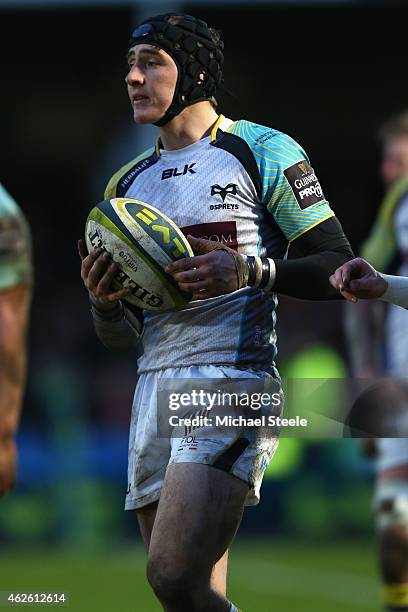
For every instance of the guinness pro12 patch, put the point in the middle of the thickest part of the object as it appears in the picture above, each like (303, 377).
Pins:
(304, 184)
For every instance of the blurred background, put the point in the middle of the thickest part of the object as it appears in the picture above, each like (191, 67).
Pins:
(327, 73)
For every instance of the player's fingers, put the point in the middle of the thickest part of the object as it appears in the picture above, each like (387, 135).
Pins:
(357, 285)
(82, 250)
(348, 296)
(359, 267)
(192, 276)
(366, 287)
(97, 271)
(106, 280)
(118, 295)
(187, 263)
(345, 273)
(201, 246)
(202, 295)
(340, 277)
(89, 261)
(335, 279)
(196, 286)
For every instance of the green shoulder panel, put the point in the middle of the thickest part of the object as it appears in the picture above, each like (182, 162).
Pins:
(279, 159)
(15, 245)
(381, 246)
(110, 191)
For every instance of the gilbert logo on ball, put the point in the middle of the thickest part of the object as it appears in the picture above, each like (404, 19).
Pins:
(142, 241)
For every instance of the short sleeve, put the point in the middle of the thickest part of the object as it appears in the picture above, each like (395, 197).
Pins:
(296, 198)
(291, 190)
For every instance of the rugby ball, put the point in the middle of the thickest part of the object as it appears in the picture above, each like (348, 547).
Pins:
(142, 241)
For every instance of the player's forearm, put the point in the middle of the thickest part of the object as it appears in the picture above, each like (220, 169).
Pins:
(307, 278)
(397, 290)
(117, 329)
(312, 258)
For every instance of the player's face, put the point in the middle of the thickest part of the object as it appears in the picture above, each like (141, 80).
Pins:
(395, 159)
(151, 82)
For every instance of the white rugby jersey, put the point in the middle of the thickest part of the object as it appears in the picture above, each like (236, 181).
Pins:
(248, 186)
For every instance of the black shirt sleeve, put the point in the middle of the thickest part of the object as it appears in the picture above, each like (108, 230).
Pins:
(312, 258)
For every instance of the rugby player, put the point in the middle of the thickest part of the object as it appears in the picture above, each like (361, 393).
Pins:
(386, 246)
(252, 190)
(15, 297)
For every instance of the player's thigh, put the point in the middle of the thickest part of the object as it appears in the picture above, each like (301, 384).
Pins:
(199, 512)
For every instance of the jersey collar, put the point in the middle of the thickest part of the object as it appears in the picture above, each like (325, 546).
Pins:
(222, 124)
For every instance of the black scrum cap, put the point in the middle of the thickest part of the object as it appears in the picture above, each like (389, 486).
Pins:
(196, 49)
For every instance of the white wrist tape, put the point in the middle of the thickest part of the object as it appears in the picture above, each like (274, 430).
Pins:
(272, 275)
(261, 272)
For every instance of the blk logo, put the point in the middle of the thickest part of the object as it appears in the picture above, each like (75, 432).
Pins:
(230, 189)
(188, 169)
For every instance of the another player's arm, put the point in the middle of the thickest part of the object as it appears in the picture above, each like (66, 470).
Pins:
(357, 279)
(117, 327)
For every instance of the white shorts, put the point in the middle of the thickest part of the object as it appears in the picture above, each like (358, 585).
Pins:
(149, 455)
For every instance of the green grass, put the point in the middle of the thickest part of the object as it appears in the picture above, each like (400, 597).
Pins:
(264, 577)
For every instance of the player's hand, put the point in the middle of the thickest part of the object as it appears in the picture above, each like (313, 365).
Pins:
(8, 462)
(357, 279)
(214, 271)
(97, 272)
